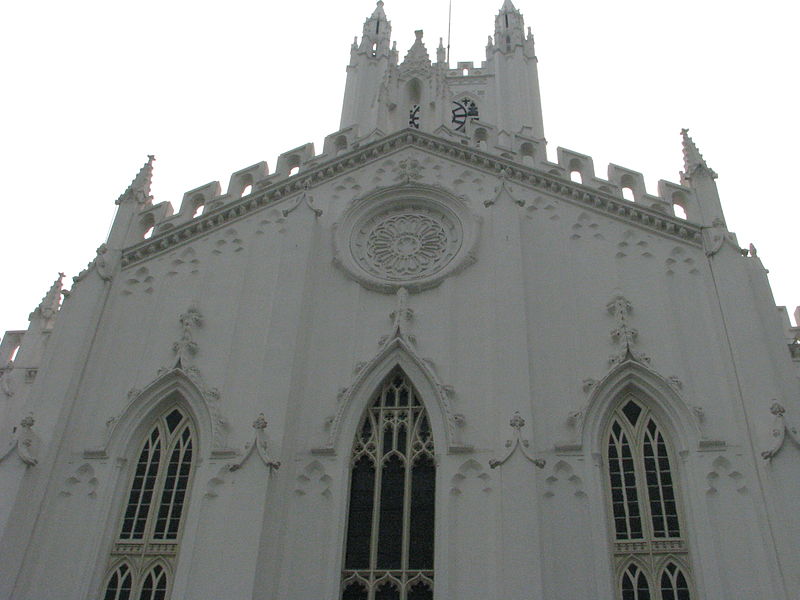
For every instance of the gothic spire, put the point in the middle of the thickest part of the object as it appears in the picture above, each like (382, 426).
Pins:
(48, 307)
(693, 161)
(377, 31)
(417, 54)
(139, 189)
(509, 28)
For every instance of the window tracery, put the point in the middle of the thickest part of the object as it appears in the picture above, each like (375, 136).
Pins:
(390, 522)
(144, 553)
(649, 545)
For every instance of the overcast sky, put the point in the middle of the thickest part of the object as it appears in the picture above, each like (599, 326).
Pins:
(90, 88)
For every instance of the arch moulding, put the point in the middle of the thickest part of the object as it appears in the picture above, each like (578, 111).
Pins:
(397, 352)
(632, 377)
(174, 386)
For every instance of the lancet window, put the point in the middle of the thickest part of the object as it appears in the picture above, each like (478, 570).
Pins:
(390, 521)
(650, 552)
(146, 547)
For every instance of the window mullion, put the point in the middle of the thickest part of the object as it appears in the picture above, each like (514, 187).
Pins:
(158, 488)
(376, 499)
(407, 491)
(642, 491)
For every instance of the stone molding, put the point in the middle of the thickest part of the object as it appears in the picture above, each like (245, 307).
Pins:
(276, 191)
(411, 236)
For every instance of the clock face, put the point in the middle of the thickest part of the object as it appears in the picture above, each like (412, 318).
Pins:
(413, 117)
(462, 110)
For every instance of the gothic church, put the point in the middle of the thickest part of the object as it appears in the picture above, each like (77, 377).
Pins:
(423, 363)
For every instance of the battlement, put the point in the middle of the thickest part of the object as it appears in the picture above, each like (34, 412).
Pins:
(672, 199)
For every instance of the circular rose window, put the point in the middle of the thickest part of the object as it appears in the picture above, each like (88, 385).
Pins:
(407, 237)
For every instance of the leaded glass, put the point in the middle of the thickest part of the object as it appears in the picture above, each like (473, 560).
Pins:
(644, 506)
(389, 545)
(153, 513)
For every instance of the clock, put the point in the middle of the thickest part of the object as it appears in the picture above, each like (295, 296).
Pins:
(462, 110)
(413, 117)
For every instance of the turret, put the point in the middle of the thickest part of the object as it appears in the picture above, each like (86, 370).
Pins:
(130, 222)
(698, 176)
(516, 80)
(367, 72)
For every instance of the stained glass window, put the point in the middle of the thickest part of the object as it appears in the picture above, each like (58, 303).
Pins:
(148, 535)
(644, 507)
(390, 520)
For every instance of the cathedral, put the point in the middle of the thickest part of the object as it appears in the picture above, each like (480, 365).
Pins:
(423, 362)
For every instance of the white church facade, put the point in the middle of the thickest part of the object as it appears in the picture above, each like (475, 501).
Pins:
(424, 363)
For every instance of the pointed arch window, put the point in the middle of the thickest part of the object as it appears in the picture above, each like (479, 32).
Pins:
(390, 520)
(650, 551)
(144, 553)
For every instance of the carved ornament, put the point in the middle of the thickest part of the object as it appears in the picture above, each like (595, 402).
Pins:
(780, 431)
(259, 445)
(24, 443)
(517, 423)
(410, 236)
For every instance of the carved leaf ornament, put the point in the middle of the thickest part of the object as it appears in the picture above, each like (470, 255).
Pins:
(411, 236)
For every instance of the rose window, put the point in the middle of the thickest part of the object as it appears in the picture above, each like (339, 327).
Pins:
(406, 243)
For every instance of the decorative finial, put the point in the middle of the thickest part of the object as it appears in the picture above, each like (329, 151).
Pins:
(139, 189)
(48, 307)
(692, 159)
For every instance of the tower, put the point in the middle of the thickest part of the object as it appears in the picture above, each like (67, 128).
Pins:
(424, 363)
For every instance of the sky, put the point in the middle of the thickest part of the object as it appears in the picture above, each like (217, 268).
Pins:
(90, 88)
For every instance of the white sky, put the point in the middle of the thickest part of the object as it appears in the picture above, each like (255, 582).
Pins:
(91, 87)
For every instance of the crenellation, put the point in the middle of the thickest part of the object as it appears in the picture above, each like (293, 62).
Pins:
(10, 344)
(293, 161)
(624, 178)
(341, 141)
(247, 177)
(672, 194)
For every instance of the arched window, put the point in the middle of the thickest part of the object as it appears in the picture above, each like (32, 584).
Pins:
(146, 546)
(390, 520)
(650, 552)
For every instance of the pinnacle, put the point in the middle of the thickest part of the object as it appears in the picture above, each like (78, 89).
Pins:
(417, 53)
(140, 186)
(378, 12)
(508, 6)
(51, 301)
(692, 159)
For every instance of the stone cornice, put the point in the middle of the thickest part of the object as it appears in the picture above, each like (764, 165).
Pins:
(273, 192)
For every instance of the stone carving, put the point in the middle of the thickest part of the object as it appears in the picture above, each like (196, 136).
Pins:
(186, 262)
(503, 186)
(24, 443)
(273, 217)
(470, 473)
(82, 482)
(549, 206)
(517, 423)
(409, 170)
(306, 199)
(99, 263)
(716, 236)
(406, 244)
(230, 240)
(259, 444)
(779, 431)
(563, 480)
(411, 235)
(624, 334)
(5, 379)
(678, 259)
(313, 481)
(722, 476)
(186, 347)
(586, 225)
(399, 338)
(632, 243)
(139, 280)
